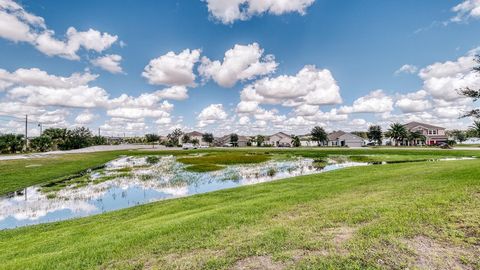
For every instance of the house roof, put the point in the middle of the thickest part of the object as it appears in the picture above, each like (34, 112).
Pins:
(194, 133)
(281, 134)
(412, 125)
(241, 138)
(335, 135)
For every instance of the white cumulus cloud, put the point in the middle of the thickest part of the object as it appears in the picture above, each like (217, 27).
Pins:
(173, 69)
(409, 69)
(242, 62)
(309, 86)
(211, 115)
(375, 102)
(84, 118)
(109, 62)
(18, 25)
(229, 11)
(466, 9)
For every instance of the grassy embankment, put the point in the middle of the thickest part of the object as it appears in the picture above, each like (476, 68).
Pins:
(394, 216)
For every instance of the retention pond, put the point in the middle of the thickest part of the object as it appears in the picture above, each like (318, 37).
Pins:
(131, 181)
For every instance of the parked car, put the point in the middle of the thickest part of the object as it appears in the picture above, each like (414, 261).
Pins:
(187, 146)
(444, 146)
(228, 145)
(203, 146)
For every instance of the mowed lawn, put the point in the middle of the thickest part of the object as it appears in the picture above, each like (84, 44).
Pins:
(421, 215)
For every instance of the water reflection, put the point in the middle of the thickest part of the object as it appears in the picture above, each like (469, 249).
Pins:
(128, 181)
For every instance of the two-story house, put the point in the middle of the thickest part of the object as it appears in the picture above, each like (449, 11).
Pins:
(433, 134)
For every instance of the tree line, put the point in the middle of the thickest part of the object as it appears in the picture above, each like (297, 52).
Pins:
(51, 139)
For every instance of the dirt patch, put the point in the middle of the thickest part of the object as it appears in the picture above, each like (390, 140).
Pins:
(258, 263)
(195, 259)
(341, 234)
(432, 254)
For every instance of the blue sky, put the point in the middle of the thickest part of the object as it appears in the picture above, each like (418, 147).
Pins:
(350, 53)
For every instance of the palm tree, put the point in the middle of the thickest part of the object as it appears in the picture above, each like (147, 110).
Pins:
(397, 132)
(296, 141)
(319, 135)
(415, 136)
(476, 127)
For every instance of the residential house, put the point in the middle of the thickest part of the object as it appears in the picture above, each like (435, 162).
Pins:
(279, 139)
(306, 140)
(225, 140)
(433, 134)
(195, 135)
(341, 138)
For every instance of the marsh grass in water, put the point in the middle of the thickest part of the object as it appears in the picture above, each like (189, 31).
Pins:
(319, 163)
(152, 160)
(226, 158)
(199, 168)
(271, 172)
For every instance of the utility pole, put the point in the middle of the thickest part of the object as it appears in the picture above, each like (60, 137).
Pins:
(98, 132)
(26, 132)
(41, 128)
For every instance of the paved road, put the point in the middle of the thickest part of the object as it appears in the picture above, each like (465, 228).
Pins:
(99, 148)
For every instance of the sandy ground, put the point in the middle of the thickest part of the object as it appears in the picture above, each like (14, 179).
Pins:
(99, 148)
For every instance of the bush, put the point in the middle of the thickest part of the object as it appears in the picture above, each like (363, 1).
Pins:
(77, 138)
(41, 143)
(11, 143)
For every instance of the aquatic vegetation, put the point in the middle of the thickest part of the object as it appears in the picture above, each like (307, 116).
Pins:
(319, 163)
(271, 172)
(230, 158)
(152, 160)
(204, 168)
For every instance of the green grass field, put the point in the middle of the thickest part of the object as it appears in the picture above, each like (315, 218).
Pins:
(422, 215)
(368, 217)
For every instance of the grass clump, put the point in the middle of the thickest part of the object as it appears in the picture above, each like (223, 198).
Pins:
(271, 172)
(152, 160)
(319, 163)
(199, 168)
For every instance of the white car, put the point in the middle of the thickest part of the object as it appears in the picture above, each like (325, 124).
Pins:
(187, 146)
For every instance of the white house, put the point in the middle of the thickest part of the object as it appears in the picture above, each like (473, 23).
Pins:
(341, 138)
(306, 140)
(279, 139)
(195, 135)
